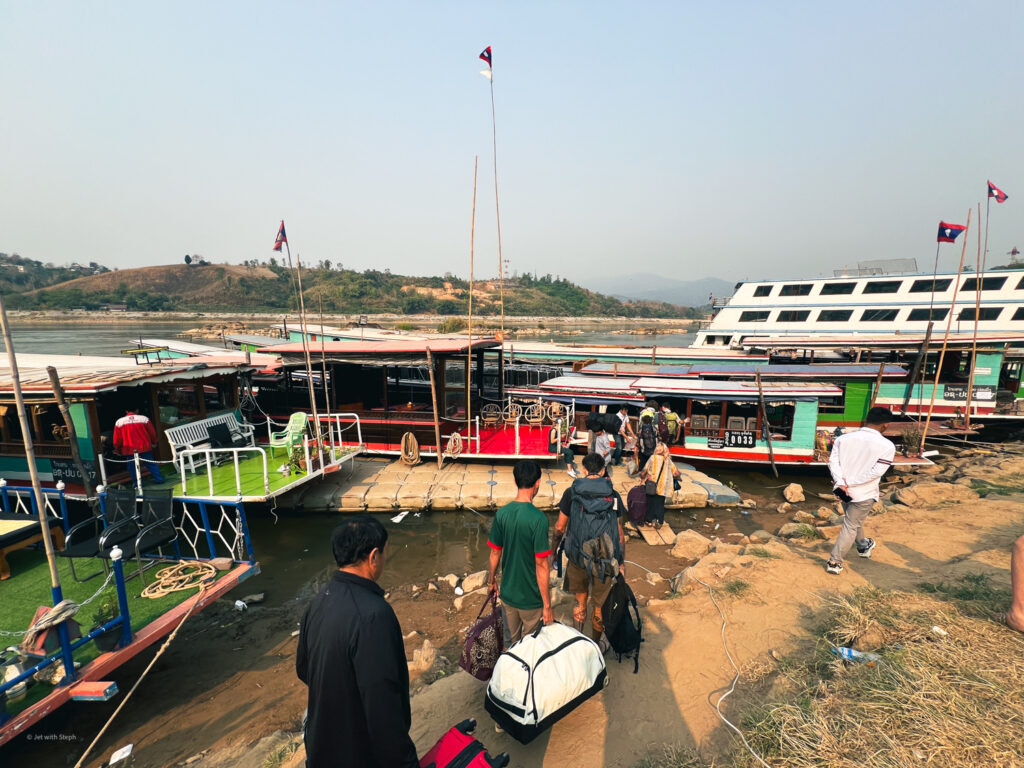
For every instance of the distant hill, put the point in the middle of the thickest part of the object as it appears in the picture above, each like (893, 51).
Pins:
(19, 274)
(646, 286)
(259, 287)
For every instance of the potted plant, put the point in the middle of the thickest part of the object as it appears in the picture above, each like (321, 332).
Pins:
(105, 612)
(297, 460)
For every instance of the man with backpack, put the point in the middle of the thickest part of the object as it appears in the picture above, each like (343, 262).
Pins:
(595, 545)
(646, 442)
(671, 424)
(623, 431)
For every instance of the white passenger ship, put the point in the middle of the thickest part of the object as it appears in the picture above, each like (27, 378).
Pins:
(849, 308)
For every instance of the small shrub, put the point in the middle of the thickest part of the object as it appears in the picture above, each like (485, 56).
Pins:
(737, 587)
(762, 552)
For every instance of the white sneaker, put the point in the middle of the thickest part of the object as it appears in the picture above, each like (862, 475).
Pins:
(571, 472)
(498, 728)
(834, 568)
(866, 551)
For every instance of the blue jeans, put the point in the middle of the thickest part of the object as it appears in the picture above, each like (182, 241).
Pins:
(154, 469)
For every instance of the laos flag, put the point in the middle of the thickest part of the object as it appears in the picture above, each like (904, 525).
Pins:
(996, 192)
(948, 233)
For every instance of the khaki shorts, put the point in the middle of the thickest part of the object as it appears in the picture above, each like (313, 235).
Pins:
(521, 623)
(577, 582)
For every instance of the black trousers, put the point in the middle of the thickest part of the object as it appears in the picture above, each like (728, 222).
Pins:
(655, 508)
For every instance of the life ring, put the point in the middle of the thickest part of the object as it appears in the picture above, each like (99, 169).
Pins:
(410, 449)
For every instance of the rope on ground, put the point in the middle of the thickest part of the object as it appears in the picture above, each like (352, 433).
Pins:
(410, 449)
(630, 562)
(179, 577)
(735, 679)
(159, 653)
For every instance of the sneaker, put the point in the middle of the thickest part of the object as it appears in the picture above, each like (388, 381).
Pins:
(571, 472)
(834, 568)
(866, 550)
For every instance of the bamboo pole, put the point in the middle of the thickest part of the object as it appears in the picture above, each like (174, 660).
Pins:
(305, 351)
(878, 385)
(30, 454)
(945, 340)
(469, 328)
(58, 393)
(918, 369)
(974, 341)
(766, 425)
(497, 212)
(433, 400)
(323, 356)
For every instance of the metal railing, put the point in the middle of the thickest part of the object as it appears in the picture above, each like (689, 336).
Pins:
(21, 500)
(228, 536)
(209, 453)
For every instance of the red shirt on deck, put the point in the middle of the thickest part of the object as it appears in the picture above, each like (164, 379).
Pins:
(133, 433)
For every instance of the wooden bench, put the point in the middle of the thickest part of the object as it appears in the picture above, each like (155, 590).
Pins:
(196, 434)
(19, 531)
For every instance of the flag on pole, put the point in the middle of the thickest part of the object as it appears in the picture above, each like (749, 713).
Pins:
(948, 233)
(282, 238)
(996, 192)
(486, 56)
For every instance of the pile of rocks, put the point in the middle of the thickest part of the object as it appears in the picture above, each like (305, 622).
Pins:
(711, 560)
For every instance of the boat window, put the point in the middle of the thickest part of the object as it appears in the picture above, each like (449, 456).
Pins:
(834, 315)
(793, 315)
(835, 289)
(1019, 314)
(834, 404)
(925, 286)
(177, 404)
(923, 314)
(883, 286)
(1020, 284)
(796, 289)
(753, 317)
(987, 313)
(763, 290)
(878, 315)
(987, 283)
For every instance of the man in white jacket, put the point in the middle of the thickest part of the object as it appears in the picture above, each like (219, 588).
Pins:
(858, 461)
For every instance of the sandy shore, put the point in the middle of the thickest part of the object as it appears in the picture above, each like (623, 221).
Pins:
(244, 684)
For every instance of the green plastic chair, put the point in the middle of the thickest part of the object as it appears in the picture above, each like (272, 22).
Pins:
(292, 434)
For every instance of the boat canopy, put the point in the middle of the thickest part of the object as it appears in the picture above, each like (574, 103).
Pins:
(702, 370)
(404, 351)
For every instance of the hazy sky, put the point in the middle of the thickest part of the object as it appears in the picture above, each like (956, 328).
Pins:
(737, 140)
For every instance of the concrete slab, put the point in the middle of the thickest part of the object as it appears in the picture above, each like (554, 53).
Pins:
(381, 497)
(353, 499)
(475, 494)
(413, 495)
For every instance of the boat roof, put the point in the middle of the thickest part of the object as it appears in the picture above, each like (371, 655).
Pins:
(185, 347)
(399, 351)
(638, 389)
(252, 338)
(577, 351)
(815, 370)
(909, 340)
(84, 374)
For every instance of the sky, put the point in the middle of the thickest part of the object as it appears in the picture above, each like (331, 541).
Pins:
(740, 140)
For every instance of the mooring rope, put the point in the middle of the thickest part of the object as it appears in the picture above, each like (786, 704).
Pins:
(181, 576)
(167, 642)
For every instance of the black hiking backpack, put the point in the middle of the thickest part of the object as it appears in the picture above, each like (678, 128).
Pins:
(593, 516)
(623, 629)
(648, 439)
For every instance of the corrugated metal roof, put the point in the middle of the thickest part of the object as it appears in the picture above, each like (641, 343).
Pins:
(345, 351)
(81, 374)
(818, 370)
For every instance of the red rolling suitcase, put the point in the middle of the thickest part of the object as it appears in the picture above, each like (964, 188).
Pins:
(458, 749)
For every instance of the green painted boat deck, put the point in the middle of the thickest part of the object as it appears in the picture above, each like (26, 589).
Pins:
(29, 588)
(250, 472)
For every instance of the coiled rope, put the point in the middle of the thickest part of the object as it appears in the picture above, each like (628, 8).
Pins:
(410, 449)
(179, 577)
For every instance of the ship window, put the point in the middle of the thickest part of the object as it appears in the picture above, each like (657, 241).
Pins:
(925, 286)
(793, 315)
(987, 283)
(796, 289)
(922, 314)
(883, 286)
(834, 315)
(878, 315)
(753, 317)
(987, 313)
(1020, 284)
(834, 289)
(763, 290)
(1019, 314)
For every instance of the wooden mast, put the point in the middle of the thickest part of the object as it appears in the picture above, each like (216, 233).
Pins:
(469, 327)
(765, 425)
(974, 341)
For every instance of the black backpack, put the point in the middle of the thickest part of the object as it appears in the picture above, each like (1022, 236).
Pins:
(624, 631)
(593, 515)
(648, 439)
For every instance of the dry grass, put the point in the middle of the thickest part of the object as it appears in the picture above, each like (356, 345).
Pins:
(956, 700)
(942, 701)
(762, 552)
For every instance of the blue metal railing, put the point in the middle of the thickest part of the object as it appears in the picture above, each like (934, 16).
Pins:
(227, 536)
(13, 500)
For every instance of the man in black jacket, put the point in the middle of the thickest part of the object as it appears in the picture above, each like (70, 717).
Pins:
(352, 657)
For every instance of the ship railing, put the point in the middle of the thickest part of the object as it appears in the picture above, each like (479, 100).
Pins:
(209, 454)
(19, 500)
(206, 530)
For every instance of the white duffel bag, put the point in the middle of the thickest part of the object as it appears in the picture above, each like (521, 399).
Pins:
(542, 678)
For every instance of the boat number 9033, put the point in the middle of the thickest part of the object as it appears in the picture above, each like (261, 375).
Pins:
(735, 439)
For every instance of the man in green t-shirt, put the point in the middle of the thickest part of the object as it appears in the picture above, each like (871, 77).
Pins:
(519, 541)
